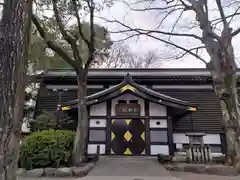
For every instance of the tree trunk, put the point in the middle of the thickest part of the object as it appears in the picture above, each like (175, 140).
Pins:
(12, 83)
(79, 148)
(223, 70)
(224, 80)
(228, 96)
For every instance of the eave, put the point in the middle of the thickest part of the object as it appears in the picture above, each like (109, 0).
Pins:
(198, 75)
(129, 86)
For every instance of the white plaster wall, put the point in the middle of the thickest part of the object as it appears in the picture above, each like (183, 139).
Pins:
(159, 149)
(217, 154)
(157, 109)
(94, 123)
(92, 148)
(180, 138)
(128, 97)
(153, 123)
(98, 109)
(212, 139)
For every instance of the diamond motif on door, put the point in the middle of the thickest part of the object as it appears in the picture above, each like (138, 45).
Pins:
(128, 136)
(113, 136)
(143, 136)
(127, 152)
(128, 121)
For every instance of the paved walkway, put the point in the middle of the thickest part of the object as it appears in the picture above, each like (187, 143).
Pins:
(129, 168)
(136, 168)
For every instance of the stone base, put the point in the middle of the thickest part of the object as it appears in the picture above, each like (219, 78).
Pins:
(203, 168)
(57, 172)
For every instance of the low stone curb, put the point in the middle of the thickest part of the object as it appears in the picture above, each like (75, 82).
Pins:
(56, 172)
(203, 168)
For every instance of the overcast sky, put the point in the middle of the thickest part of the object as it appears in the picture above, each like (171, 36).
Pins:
(149, 20)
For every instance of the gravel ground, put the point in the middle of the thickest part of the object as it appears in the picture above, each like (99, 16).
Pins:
(192, 176)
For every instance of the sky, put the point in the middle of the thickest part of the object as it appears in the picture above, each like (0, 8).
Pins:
(148, 20)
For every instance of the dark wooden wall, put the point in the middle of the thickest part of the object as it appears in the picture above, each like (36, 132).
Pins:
(208, 116)
(48, 99)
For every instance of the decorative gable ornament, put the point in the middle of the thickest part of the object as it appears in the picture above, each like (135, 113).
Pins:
(192, 109)
(128, 87)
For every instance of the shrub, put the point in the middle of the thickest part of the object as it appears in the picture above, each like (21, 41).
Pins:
(49, 148)
(48, 120)
(44, 121)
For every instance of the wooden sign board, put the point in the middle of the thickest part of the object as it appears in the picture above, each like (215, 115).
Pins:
(128, 110)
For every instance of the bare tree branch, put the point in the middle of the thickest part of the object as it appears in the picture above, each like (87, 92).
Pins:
(204, 23)
(219, 20)
(127, 38)
(91, 47)
(236, 32)
(79, 23)
(65, 35)
(192, 49)
(234, 14)
(149, 31)
(178, 46)
(175, 24)
(149, 34)
(167, 15)
(150, 8)
(121, 56)
(53, 45)
(220, 8)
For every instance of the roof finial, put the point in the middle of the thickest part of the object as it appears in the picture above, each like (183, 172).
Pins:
(128, 78)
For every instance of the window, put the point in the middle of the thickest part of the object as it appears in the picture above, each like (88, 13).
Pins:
(122, 102)
(133, 101)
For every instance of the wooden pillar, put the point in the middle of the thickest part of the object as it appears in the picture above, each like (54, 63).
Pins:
(147, 128)
(88, 134)
(170, 135)
(108, 128)
(223, 143)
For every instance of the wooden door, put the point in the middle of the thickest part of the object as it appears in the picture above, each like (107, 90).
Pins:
(128, 137)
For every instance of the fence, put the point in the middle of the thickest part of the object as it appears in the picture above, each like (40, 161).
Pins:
(199, 154)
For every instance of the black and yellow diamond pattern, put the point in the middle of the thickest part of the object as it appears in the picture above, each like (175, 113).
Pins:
(128, 137)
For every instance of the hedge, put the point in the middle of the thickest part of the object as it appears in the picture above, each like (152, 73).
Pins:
(49, 148)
